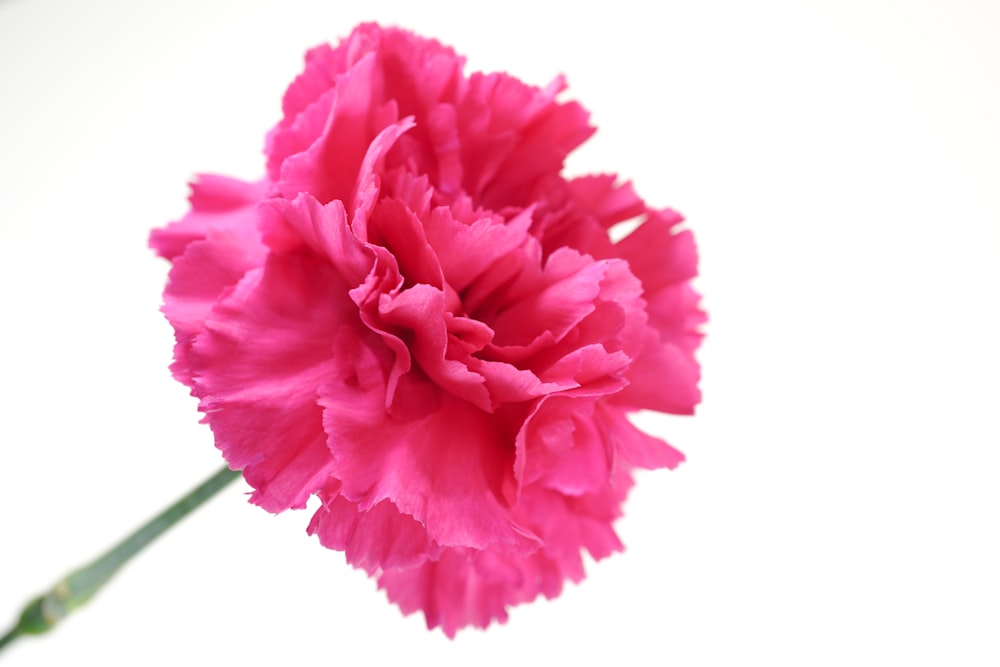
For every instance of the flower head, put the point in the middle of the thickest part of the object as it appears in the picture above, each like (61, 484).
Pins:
(415, 317)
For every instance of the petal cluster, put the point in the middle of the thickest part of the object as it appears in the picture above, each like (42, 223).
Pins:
(417, 318)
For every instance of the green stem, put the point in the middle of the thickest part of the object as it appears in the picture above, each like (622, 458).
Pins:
(45, 611)
(9, 637)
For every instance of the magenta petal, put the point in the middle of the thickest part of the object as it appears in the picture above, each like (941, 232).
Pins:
(638, 448)
(325, 229)
(218, 203)
(545, 437)
(420, 312)
(329, 168)
(665, 375)
(297, 133)
(555, 301)
(397, 229)
(675, 312)
(561, 446)
(509, 384)
(514, 136)
(658, 254)
(425, 466)
(292, 135)
(463, 587)
(570, 524)
(466, 251)
(449, 591)
(586, 466)
(266, 348)
(202, 273)
(198, 278)
(606, 200)
(322, 66)
(378, 538)
(665, 378)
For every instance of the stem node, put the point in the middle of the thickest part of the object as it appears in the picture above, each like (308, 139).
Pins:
(45, 611)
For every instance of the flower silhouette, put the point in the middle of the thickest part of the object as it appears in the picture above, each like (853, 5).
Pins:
(415, 317)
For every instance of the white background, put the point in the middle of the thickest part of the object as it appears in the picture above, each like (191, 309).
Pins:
(839, 162)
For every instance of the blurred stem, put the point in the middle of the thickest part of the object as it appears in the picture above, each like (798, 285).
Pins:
(45, 611)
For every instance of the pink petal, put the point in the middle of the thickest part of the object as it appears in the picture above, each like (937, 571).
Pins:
(218, 203)
(638, 448)
(664, 378)
(467, 250)
(450, 592)
(554, 299)
(513, 135)
(197, 280)
(606, 200)
(397, 229)
(324, 228)
(378, 538)
(463, 587)
(329, 168)
(427, 466)
(266, 348)
(418, 314)
(657, 253)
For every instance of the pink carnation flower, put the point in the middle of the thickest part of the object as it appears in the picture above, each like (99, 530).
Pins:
(415, 317)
